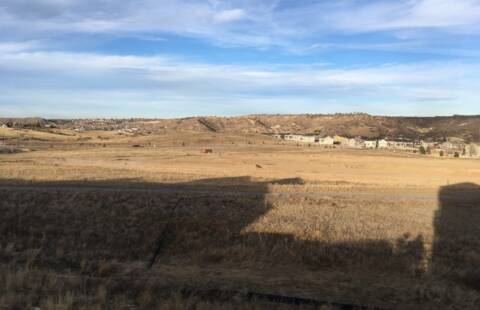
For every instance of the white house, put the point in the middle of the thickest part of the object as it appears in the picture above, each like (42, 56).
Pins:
(292, 137)
(427, 144)
(354, 143)
(371, 144)
(382, 144)
(326, 141)
(309, 139)
(300, 138)
(402, 145)
(350, 143)
(452, 146)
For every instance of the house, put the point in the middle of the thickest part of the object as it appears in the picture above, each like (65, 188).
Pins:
(393, 144)
(401, 145)
(354, 143)
(382, 144)
(340, 140)
(449, 145)
(452, 148)
(472, 150)
(359, 142)
(430, 145)
(292, 137)
(300, 138)
(309, 139)
(326, 141)
(350, 143)
(370, 144)
(417, 144)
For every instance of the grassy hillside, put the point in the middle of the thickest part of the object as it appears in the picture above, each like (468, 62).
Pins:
(465, 127)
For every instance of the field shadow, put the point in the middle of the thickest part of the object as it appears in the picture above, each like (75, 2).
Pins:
(70, 224)
(456, 249)
(78, 226)
(112, 229)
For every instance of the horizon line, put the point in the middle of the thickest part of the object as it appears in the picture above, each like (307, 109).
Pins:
(235, 116)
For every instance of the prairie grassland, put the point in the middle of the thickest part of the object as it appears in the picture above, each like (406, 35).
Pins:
(81, 226)
(178, 163)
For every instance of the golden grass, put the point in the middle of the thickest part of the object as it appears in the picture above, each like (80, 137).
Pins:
(356, 226)
(277, 162)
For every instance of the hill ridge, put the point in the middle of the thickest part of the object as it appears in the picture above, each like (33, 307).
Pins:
(466, 127)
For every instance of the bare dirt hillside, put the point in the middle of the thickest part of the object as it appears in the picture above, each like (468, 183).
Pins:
(466, 127)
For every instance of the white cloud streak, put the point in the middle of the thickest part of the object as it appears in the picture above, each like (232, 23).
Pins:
(248, 23)
(83, 81)
(229, 16)
(39, 76)
(452, 15)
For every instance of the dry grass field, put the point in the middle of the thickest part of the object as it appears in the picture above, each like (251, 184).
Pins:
(89, 221)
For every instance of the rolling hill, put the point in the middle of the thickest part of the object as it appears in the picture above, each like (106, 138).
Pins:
(356, 124)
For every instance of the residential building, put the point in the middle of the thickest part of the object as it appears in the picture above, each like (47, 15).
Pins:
(326, 140)
(300, 138)
(382, 144)
(472, 150)
(371, 144)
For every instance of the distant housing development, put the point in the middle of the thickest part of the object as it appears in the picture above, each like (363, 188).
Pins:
(448, 148)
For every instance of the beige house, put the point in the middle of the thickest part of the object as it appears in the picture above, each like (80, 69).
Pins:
(451, 148)
(472, 150)
(340, 140)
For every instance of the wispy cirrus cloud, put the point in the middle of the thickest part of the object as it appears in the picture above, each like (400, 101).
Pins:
(17, 47)
(229, 15)
(446, 15)
(249, 23)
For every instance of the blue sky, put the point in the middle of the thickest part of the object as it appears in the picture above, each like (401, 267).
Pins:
(173, 58)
